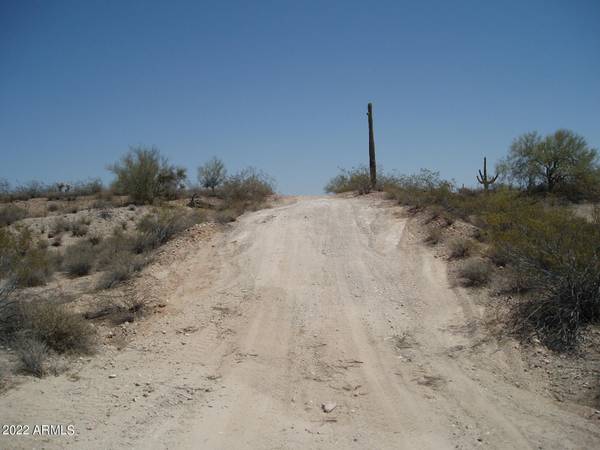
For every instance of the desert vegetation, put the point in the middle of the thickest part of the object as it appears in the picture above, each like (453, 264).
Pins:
(144, 175)
(524, 223)
(356, 179)
(60, 235)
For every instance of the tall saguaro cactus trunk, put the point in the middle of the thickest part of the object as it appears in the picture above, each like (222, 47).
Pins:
(372, 164)
(483, 178)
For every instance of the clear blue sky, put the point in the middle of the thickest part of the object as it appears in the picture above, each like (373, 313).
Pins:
(283, 85)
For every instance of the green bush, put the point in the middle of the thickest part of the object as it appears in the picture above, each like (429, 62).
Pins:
(559, 258)
(144, 175)
(562, 163)
(246, 188)
(353, 180)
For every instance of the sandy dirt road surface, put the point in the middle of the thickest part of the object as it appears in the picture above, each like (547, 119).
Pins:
(320, 300)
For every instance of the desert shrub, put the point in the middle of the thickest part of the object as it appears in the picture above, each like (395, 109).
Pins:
(57, 327)
(105, 214)
(31, 189)
(95, 239)
(561, 162)
(559, 256)
(57, 240)
(356, 179)
(59, 226)
(52, 207)
(4, 189)
(101, 204)
(513, 282)
(460, 248)
(156, 229)
(34, 269)
(32, 353)
(43, 244)
(498, 257)
(246, 188)
(212, 174)
(79, 227)
(437, 213)
(144, 175)
(79, 259)
(420, 190)
(22, 260)
(111, 248)
(123, 267)
(475, 272)
(433, 236)
(226, 216)
(8, 309)
(90, 187)
(10, 214)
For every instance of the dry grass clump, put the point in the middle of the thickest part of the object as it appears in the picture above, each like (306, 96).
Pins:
(35, 268)
(156, 229)
(95, 239)
(22, 260)
(433, 236)
(56, 326)
(460, 248)
(33, 355)
(52, 207)
(79, 227)
(226, 216)
(39, 327)
(475, 272)
(59, 226)
(123, 267)
(57, 240)
(10, 214)
(79, 259)
(110, 247)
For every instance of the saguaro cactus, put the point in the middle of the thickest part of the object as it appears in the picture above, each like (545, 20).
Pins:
(482, 178)
(372, 165)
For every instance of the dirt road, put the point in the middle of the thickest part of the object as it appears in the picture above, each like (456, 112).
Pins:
(319, 301)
